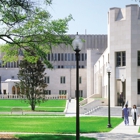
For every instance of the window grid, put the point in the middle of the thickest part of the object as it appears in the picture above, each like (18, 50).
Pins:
(62, 92)
(120, 59)
(62, 80)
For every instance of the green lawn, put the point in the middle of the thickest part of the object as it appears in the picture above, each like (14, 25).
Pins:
(50, 137)
(61, 125)
(47, 106)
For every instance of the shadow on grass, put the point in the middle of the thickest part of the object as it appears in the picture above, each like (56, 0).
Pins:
(50, 137)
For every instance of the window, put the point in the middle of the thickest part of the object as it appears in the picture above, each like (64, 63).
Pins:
(12, 77)
(80, 93)
(65, 56)
(138, 86)
(138, 58)
(47, 79)
(48, 57)
(82, 57)
(80, 80)
(62, 57)
(68, 56)
(62, 92)
(4, 91)
(58, 56)
(85, 57)
(120, 59)
(12, 65)
(47, 92)
(72, 57)
(55, 57)
(62, 80)
(52, 57)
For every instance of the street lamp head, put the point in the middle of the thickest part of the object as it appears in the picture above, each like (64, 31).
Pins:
(122, 78)
(77, 43)
(108, 68)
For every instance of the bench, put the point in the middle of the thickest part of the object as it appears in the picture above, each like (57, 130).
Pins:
(16, 110)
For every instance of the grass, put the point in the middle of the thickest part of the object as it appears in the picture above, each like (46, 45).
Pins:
(61, 125)
(50, 137)
(48, 106)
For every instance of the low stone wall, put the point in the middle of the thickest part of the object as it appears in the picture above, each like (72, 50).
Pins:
(14, 96)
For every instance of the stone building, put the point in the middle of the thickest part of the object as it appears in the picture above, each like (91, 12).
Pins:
(120, 47)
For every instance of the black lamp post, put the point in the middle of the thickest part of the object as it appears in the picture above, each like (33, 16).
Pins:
(0, 84)
(77, 46)
(108, 71)
(122, 79)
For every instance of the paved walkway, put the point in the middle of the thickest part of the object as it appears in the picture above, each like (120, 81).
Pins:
(121, 132)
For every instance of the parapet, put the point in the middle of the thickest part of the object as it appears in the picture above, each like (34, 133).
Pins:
(118, 14)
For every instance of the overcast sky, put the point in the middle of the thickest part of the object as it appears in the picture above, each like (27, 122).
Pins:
(90, 16)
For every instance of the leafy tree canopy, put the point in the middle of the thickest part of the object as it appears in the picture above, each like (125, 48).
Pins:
(32, 83)
(25, 25)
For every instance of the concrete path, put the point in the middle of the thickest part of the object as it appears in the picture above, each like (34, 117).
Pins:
(131, 129)
(71, 108)
(121, 132)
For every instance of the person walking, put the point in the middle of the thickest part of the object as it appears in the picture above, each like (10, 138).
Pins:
(125, 112)
(135, 114)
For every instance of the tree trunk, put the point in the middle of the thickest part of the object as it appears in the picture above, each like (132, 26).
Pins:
(33, 107)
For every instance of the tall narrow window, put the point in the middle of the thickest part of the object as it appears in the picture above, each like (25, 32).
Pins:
(62, 80)
(82, 57)
(120, 59)
(138, 86)
(65, 56)
(49, 57)
(58, 56)
(47, 79)
(62, 58)
(68, 56)
(80, 80)
(55, 56)
(123, 59)
(138, 58)
(72, 57)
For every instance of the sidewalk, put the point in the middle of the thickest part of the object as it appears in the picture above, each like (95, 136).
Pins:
(131, 129)
(121, 132)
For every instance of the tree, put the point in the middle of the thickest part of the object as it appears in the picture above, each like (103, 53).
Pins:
(32, 83)
(27, 24)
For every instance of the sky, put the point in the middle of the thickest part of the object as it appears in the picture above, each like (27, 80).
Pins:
(90, 16)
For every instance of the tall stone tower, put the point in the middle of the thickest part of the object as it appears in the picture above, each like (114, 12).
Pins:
(124, 38)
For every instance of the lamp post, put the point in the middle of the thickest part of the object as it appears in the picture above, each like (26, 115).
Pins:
(0, 84)
(77, 46)
(122, 80)
(108, 71)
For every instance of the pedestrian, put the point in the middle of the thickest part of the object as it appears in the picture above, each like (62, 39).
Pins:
(135, 114)
(125, 112)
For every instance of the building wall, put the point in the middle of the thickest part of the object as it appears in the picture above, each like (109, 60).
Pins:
(67, 68)
(123, 35)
